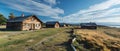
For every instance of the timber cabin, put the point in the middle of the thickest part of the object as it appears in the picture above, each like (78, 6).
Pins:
(63, 25)
(52, 24)
(88, 25)
(24, 23)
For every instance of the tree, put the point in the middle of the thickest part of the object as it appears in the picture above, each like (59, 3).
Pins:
(3, 20)
(11, 16)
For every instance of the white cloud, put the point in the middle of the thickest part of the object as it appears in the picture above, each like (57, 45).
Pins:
(34, 7)
(101, 12)
(101, 6)
(51, 2)
(111, 19)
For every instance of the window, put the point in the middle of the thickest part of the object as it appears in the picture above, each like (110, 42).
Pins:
(37, 25)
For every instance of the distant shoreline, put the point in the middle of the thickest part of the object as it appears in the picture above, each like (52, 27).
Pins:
(115, 26)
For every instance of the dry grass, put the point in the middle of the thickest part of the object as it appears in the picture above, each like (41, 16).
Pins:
(98, 39)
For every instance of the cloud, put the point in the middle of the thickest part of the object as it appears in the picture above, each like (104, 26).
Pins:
(111, 19)
(51, 2)
(34, 7)
(100, 12)
(101, 6)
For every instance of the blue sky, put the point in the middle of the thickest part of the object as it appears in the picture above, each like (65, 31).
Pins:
(68, 11)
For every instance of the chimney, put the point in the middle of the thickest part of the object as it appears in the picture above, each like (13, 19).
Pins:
(22, 15)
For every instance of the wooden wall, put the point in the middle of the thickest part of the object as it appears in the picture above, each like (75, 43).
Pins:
(31, 23)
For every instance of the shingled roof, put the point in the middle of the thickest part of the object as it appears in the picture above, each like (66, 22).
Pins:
(20, 18)
(88, 24)
(51, 22)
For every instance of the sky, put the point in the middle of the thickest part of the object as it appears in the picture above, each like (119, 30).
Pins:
(67, 11)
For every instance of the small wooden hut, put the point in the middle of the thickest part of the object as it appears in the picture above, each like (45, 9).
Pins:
(30, 22)
(88, 25)
(52, 24)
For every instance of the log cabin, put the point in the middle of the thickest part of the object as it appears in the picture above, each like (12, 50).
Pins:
(52, 24)
(88, 25)
(63, 25)
(30, 22)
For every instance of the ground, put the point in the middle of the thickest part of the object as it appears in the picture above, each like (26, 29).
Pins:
(23, 40)
(57, 42)
(52, 39)
(102, 39)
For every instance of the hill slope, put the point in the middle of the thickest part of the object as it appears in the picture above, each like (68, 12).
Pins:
(102, 39)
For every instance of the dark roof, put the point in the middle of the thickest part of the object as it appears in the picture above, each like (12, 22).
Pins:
(51, 22)
(20, 19)
(62, 24)
(88, 24)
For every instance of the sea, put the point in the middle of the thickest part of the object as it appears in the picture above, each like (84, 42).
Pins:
(115, 26)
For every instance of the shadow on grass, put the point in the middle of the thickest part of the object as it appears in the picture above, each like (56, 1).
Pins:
(4, 29)
(66, 44)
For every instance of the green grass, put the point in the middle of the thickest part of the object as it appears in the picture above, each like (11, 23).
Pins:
(79, 47)
(12, 42)
(58, 42)
(18, 40)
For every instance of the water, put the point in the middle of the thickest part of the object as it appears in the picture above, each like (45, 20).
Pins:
(115, 26)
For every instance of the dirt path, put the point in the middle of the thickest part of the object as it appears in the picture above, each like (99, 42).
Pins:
(56, 42)
(43, 40)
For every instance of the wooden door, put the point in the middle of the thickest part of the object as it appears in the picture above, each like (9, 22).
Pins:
(33, 26)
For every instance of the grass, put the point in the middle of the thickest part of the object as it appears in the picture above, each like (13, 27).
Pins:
(112, 34)
(57, 42)
(79, 47)
(104, 39)
(20, 40)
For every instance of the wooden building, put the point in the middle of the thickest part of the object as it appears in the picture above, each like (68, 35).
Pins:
(88, 25)
(63, 25)
(30, 22)
(52, 24)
